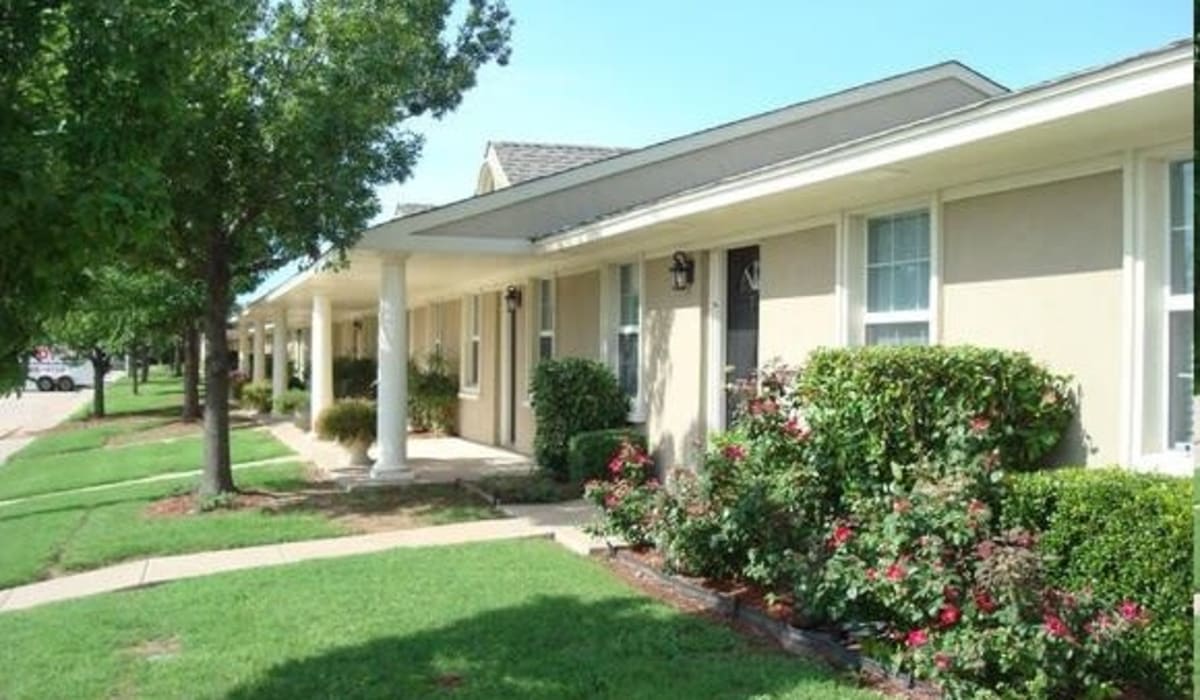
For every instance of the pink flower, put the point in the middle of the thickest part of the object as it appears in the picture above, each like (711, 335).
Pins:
(896, 573)
(942, 660)
(980, 424)
(985, 549)
(611, 500)
(841, 535)
(872, 574)
(1132, 612)
(949, 615)
(1055, 626)
(734, 452)
(901, 505)
(916, 638)
(614, 465)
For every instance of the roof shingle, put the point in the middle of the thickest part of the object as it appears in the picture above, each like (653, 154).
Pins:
(526, 161)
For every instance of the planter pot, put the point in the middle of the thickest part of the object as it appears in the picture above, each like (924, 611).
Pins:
(358, 453)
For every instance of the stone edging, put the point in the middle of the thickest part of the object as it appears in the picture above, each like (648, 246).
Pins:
(792, 639)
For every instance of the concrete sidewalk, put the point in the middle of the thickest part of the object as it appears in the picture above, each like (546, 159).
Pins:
(560, 522)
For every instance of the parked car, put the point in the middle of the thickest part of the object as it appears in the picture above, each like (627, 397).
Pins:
(52, 373)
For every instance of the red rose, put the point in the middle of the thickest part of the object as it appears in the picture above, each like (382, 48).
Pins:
(942, 660)
(980, 424)
(896, 573)
(841, 535)
(984, 601)
(916, 638)
(1055, 626)
(1132, 612)
(949, 615)
(734, 452)
(871, 573)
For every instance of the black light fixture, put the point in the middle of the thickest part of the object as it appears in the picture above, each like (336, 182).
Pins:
(683, 271)
(512, 298)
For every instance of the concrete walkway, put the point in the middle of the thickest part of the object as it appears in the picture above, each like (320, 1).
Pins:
(431, 459)
(559, 522)
(22, 417)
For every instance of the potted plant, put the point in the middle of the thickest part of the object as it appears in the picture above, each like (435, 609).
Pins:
(294, 402)
(257, 396)
(352, 423)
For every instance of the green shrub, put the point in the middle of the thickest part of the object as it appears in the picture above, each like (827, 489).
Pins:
(257, 395)
(354, 377)
(432, 394)
(589, 453)
(293, 400)
(1125, 535)
(629, 496)
(869, 408)
(348, 421)
(571, 396)
(535, 487)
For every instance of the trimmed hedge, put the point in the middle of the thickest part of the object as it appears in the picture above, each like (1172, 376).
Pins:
(257, 395)
(572, 395)
(873, 407)
(1125, 535)
(588, 453)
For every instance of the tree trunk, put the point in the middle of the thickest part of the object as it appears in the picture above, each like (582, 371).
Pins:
(133, 368)
(145, 367)
(218, 476)
(99, 369)
(191, 373)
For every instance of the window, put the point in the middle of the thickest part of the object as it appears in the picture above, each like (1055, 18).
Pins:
(898, 269)
(471, 367)
(628, 327)
(545, 349)
(1180, 305)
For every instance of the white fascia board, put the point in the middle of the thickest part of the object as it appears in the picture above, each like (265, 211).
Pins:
(1003, 115)
(383, 240)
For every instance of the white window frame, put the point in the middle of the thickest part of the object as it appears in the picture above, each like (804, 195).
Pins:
(435, 319)
(548, 285)
(928, 315)
(472, 339)
(612, 330)
(1172, 303)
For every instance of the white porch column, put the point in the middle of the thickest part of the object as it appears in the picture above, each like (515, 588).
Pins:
(301, 352)
(321, 387)
(279, 355)
(243, 347)
(392, 413)
(260, 351)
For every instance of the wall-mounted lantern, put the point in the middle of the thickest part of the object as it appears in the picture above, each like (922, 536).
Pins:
(512, 298)
(683, 271)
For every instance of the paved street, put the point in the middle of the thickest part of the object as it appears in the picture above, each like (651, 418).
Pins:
(22, 416)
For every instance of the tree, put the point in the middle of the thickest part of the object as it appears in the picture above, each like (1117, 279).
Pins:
(286, 125)
(85, 90)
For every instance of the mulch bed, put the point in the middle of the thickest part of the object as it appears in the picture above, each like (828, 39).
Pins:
(751, 611)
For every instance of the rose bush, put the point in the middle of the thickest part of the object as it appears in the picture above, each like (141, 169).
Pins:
(628, 495)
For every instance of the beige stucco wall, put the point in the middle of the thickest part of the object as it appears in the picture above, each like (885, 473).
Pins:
(577, 318)
(1039, 269)
(797, 303)
(672, 363)
(525, 338)
(477, 416)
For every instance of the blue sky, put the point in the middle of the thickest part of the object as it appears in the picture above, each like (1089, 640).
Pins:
(634, 72)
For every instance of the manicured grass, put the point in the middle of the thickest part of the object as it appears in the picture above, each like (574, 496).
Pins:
(72, 532)
(71, 470)
(521, 619)
(163, 394)
(72, 438)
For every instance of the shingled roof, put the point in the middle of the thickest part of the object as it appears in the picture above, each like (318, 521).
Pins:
(526, 161)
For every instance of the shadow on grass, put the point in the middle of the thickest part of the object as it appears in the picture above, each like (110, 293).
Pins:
(554, 647)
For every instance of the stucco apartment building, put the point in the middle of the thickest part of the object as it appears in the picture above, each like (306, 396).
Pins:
(931, 207)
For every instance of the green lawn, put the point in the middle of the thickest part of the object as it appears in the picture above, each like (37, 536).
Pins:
(520, 619)
(26, 476)
(163, 394)
(71, 532)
